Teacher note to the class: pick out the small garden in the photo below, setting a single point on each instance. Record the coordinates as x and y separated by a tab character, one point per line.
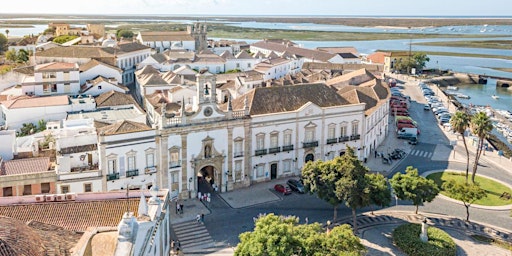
495	190
407	238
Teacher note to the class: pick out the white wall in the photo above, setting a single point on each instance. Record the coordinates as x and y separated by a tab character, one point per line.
100	70
8	144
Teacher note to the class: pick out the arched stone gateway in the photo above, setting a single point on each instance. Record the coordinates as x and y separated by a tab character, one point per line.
208	166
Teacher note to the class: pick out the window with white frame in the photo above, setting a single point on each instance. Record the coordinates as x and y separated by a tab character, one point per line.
47	75
355	127
331	131
150	157
130	160
274	139
310	134
343	129
287	138
112	164
260	170
260	141
174	157
239	147
175	177
287	165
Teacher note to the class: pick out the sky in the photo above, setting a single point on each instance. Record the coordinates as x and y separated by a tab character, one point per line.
264	7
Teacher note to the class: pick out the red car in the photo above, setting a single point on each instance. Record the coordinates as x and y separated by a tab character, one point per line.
285	190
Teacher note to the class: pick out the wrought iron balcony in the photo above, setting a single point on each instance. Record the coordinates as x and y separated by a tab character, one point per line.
344	138
332	141
238	154
310	144
355	137
274	150
151	169
112	176
288	148
132	173
174	164
260	152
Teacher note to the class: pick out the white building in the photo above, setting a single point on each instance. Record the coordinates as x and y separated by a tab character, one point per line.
274	68
128	155
52	78
76	146
26	109
193	39
95	68
125	56
101	85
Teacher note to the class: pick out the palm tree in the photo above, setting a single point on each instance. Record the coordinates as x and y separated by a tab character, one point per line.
480	125
460	123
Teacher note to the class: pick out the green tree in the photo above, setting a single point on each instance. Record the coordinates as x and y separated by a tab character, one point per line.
27	129
419	60
41	125
352	188
3	43
278	235
22	56
460	123
480	125
320	178
411	186
124	33
380	193
11	55
467	193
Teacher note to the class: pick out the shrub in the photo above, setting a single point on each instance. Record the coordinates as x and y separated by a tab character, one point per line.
407	238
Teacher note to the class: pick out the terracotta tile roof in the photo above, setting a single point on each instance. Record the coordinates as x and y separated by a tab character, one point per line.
28	70
269	100
99	79
73	215
243	55
93	63
364	74
25	166
337	50
57	240
114	98
160	57
56	66
378	57
16	238
226	55
33	102
157	98
148	69
123	127
91	52
298	51
373	93
166	36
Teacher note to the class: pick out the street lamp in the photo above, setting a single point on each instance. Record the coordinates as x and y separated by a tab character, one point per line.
189	185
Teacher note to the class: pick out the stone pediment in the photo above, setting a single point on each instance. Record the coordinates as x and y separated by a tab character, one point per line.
309	109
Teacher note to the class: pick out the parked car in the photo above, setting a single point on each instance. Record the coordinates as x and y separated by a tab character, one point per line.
285	190
426	107
296	185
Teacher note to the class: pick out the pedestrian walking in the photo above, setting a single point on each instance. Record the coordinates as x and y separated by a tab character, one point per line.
178	246
173	244
178	210
375	153
198	218
306	219
202	218
181	209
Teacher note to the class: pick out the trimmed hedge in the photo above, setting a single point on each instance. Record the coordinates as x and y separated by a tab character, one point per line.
407	238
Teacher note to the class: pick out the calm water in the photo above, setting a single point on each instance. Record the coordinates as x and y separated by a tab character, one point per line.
481	95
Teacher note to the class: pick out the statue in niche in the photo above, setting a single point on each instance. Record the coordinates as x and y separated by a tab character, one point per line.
207	151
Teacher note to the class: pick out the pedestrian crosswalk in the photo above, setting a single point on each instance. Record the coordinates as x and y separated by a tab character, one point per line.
192	235
421	153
